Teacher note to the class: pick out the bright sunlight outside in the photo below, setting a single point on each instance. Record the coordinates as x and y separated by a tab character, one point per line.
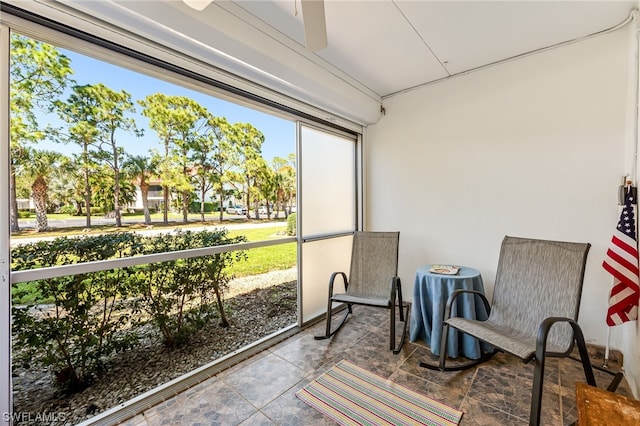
106	164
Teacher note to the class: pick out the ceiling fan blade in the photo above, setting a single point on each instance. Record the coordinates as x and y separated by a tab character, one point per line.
315	28
197	4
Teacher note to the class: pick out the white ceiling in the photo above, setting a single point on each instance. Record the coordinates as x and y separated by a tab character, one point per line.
375	47
392	45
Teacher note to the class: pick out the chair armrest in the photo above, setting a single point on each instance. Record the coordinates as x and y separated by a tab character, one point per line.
332	279
578	337
545	328
456	293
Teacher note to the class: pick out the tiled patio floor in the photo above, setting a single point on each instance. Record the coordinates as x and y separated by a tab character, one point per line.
260	390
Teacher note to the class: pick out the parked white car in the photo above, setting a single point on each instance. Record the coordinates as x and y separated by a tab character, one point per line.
236	210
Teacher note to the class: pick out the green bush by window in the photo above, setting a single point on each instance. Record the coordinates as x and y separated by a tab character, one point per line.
291	224
91	316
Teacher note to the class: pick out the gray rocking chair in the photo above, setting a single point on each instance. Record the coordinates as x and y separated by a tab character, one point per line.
373	281
534	312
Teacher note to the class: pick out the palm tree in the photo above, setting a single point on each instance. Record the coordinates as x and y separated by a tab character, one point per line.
141	168
103	188
286	182
38	169
66	187
39	73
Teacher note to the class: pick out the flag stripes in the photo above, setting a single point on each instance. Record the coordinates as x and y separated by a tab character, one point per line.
621	261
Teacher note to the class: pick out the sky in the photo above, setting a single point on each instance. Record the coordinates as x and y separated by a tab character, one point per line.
279	134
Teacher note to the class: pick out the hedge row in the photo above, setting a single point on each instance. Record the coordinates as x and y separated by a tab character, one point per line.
195	207
96	314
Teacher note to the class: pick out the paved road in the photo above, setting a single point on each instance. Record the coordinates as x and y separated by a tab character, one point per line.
98	221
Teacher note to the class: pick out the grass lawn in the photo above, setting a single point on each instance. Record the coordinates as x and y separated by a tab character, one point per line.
258	261
264	259
175	221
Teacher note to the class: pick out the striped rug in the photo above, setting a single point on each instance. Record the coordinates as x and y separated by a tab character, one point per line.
351	395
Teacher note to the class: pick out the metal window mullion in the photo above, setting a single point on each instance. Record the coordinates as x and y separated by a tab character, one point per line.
6	405
313	238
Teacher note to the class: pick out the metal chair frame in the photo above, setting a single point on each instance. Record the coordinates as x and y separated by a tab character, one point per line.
387	296
538	352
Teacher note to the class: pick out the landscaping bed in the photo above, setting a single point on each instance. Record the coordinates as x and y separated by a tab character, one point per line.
256	307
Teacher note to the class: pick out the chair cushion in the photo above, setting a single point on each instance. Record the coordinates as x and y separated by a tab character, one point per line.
522	345
371	301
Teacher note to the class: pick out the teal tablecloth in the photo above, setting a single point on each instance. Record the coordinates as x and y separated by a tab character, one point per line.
430	294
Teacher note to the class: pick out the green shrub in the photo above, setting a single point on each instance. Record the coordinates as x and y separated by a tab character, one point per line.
93	315
182	295
80	331
291	224
24	214
68	209
208	207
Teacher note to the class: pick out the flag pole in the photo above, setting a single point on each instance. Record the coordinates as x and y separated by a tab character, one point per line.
605	364
629	178
621	196
627	185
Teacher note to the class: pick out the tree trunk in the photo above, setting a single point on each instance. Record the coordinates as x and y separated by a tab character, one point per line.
220	202
144	189
116	201
185	206
165	208
13	202
87	199
185	194
165	189
248	203
87	186
116	204
39	193
224	322
116	190
202	194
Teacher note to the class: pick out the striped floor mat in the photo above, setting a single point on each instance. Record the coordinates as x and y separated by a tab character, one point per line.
351	395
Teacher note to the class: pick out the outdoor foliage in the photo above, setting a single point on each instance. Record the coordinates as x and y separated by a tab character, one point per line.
183	295
196	206
39	73
291	224
91	316
198	155
67	209
77	333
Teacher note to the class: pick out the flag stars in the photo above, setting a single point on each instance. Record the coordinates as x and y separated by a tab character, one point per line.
626	224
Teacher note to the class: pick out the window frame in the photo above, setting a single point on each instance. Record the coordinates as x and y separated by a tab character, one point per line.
191	74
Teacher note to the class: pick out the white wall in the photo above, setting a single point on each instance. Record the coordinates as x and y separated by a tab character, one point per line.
533	147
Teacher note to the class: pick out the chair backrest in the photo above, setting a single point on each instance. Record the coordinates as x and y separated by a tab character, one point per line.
374	261
537	279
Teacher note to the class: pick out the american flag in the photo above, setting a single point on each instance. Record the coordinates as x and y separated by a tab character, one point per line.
621	261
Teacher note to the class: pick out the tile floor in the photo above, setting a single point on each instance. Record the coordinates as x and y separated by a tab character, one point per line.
260	390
